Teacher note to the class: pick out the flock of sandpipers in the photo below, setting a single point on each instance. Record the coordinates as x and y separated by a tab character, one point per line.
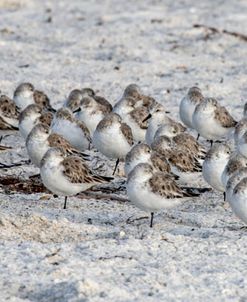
160	156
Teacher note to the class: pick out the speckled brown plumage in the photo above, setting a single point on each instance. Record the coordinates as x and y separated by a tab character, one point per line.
85	130
240	186
64	113
178	126
77	172
147	101
188	142
235	164
73	103
56	140
195	95
127	132
162	145
107	121
46	118
104	103
164	185
184	161
8	107
139	114
8	110
90	102
160	162
224	117
41	99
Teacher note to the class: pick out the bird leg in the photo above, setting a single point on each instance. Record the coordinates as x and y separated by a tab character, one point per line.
211	142
65	202
224	194
151	221
198	136
117	162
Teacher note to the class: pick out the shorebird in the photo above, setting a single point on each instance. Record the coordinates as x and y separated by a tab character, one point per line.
212	121
75	131
152	191
67	175
113	138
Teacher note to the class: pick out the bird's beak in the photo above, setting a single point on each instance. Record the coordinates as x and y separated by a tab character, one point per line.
147	117
167	112
51	109
77	110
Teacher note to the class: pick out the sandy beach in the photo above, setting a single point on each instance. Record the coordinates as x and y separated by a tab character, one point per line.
102	249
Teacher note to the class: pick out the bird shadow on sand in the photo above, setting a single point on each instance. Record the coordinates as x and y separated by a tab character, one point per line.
60	292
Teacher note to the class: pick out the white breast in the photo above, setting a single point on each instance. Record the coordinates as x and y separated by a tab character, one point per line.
54	180
137	131
238	203
22	101
26	126
91	121
186	110
152	128
144	199
111	142
36	149
72	132
212	172
208	127
129	166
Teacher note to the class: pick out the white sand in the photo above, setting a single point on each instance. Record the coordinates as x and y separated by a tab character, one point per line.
196	252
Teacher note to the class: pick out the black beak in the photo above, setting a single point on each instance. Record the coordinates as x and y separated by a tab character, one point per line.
168	112
51	109
77	110
147	117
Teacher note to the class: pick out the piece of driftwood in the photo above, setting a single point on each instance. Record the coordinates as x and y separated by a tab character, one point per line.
223	31
11	184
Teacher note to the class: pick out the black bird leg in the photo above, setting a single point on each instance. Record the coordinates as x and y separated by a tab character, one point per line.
151	221
65	202
117	162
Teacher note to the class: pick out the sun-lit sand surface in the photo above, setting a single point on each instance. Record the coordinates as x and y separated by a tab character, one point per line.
98	249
